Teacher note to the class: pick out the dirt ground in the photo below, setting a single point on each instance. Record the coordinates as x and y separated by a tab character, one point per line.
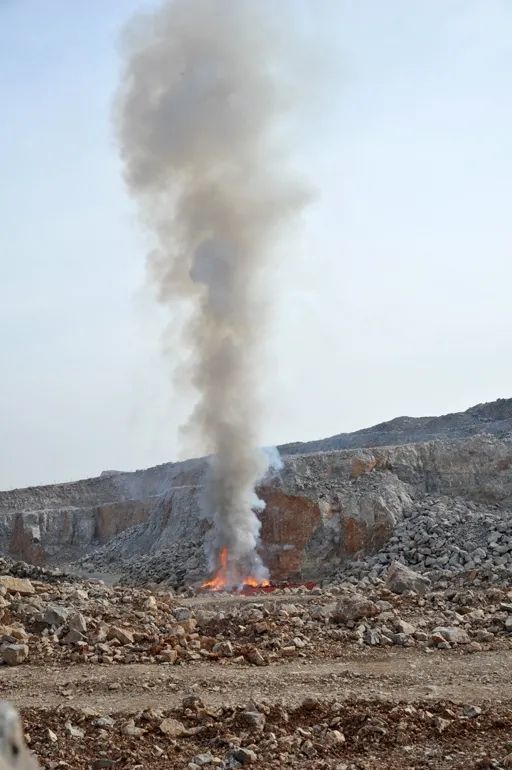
395	708
403	675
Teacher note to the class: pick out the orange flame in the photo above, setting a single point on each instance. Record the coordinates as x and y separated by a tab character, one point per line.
220	579
223	580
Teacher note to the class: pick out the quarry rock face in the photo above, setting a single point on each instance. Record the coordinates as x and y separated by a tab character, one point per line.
323	509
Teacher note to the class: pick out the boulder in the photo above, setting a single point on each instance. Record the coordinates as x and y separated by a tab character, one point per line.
123	635
253	719
55	615
452	634
78	623
401	579
14	654
353	607
15	585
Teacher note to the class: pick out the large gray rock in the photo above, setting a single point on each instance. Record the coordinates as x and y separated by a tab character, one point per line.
354	607
55	615
401	579
452	634
13	654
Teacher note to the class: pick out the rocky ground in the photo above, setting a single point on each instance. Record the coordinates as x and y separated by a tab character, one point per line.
396	656
390	671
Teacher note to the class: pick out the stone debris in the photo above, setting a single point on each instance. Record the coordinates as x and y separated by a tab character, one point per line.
354	607
442	506
441	538
89	622
172	727
318	734
410	548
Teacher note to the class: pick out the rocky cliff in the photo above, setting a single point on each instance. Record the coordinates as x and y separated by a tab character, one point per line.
322	509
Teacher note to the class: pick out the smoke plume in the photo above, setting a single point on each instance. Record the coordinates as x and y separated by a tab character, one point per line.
201	110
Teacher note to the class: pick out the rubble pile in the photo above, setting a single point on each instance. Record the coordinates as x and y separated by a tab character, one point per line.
445	538
317	735
44	620
53	622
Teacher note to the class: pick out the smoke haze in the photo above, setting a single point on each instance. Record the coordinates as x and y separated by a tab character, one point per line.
200	111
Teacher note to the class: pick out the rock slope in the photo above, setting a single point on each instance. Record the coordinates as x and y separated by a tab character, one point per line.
323	509
494	418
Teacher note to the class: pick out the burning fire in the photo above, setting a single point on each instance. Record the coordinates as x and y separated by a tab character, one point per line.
226	577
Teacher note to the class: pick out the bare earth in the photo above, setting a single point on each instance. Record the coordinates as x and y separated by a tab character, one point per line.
333	704
403	675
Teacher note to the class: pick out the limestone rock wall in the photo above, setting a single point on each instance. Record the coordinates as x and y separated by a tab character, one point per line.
321	508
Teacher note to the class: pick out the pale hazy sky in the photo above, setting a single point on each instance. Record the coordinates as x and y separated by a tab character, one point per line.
392	298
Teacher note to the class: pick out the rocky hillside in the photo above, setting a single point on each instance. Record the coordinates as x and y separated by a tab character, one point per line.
323	509
494	418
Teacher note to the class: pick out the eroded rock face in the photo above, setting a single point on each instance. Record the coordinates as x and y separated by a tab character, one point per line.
304	534
61	522
319	513
321	509
51	536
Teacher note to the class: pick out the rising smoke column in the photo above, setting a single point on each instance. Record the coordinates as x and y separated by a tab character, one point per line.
200	109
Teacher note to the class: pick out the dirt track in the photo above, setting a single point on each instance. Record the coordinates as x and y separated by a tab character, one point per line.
404	675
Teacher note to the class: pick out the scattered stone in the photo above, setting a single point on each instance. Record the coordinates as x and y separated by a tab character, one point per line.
472	711
403	627
172	728
201	760
132	730
224	649
452	634
55	615
253	719
255	657
244	756
72	637
105	722
74	731
77	623
123	635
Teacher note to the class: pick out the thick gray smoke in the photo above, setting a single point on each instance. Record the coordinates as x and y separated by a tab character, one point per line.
200	113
